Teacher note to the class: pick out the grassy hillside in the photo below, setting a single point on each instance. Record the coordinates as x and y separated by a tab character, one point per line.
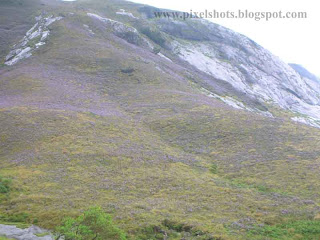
146	145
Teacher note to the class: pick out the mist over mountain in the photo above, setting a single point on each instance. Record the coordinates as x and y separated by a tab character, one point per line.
179	129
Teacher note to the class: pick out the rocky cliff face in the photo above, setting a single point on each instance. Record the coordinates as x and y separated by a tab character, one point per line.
248	67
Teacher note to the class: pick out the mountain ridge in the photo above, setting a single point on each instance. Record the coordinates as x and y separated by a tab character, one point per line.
303	71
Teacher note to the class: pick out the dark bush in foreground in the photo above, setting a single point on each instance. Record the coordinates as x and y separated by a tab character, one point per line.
4	185
93	224
154	36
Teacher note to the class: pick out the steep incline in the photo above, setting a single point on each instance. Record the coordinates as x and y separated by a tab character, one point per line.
98	116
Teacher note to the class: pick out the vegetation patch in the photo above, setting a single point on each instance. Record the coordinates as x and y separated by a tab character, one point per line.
127	70
42	234
4	185
304	229
19	219
172	230
214	168
93	224
154	35
5	238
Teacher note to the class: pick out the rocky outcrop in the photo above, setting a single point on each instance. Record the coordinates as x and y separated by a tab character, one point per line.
128	33
307	120
248	67
30	233
33	39
123	12
235	103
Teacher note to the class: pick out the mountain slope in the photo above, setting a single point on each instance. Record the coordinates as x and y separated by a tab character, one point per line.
96	116
304	72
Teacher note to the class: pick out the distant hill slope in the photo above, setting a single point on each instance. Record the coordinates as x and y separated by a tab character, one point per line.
304	72
195	141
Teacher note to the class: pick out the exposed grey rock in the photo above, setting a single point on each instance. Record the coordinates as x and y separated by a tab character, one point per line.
235	103
10	231
123	12
33	28
51	19
39	30
88	28
35	34
25	53
248	67
40	44
45	34
13	53
307	120
163	56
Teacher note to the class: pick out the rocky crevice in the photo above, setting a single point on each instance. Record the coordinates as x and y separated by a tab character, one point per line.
34	38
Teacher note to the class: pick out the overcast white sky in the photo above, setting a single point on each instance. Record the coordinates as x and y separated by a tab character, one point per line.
293	40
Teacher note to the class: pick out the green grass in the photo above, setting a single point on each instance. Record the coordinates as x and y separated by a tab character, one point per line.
214	168
5	238
17	224
4	185
42	234
20	220
308	230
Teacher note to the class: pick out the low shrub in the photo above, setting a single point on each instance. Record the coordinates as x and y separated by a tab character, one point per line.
214	168
127	70
156	50
4	185
15	218
154	35
93	224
